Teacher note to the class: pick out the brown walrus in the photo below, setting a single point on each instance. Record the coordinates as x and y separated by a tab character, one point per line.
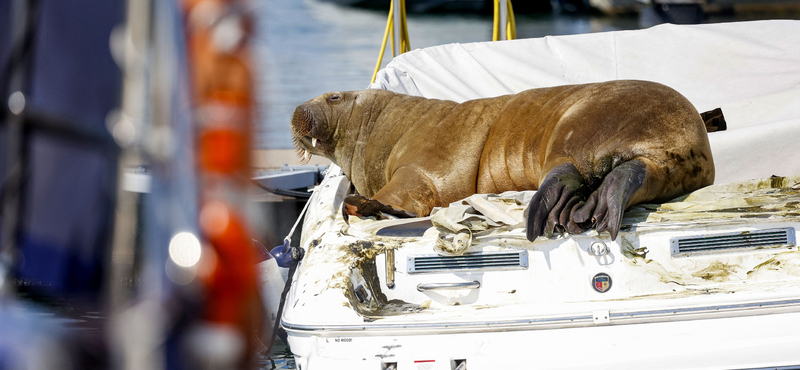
591	150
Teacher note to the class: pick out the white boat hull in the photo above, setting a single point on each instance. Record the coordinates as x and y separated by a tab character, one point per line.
734	309
711	281
750	342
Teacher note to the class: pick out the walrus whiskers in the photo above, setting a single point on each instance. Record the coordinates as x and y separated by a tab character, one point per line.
303	128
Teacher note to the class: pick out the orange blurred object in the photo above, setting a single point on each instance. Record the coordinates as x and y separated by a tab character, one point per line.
232	282
220	150
218	32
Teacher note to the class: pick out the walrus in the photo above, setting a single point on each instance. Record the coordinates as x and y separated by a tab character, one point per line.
591	151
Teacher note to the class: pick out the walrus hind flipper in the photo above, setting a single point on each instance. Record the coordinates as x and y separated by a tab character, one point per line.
559	201
606	205
561	193
359	205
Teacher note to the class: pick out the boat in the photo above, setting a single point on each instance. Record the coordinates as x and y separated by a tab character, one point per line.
447	6
709	280
421	6
688	11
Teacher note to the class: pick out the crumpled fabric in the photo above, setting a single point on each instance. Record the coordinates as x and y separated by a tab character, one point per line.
458	222
768	197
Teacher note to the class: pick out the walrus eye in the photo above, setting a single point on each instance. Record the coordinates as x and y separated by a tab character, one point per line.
334	97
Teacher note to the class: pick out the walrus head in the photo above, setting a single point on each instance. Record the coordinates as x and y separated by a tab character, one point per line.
315	123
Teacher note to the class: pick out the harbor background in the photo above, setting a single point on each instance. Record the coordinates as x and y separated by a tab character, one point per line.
304	48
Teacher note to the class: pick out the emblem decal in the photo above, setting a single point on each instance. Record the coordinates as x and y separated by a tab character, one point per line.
601	282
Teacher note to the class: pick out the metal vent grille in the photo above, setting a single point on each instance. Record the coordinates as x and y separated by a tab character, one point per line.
469	262
734	241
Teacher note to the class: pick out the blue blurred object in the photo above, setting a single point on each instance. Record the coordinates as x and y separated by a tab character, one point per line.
284	254
67	158
27	334
58	171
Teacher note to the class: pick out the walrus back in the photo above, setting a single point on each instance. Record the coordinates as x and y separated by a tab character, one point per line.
597	127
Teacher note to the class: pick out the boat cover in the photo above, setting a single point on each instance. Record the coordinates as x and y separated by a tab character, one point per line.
749	69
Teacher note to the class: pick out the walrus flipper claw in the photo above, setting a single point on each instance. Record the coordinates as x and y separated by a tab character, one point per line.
613	196
552	205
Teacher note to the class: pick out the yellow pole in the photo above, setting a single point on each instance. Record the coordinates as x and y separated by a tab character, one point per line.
512	24
403	41
504	25
496	21
383	45
404	33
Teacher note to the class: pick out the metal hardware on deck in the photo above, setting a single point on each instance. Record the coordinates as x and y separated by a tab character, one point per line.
601	317
733	241
506	260
361	294
390	268
599	249
449	286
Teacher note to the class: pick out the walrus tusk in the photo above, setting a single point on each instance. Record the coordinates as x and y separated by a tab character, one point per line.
314	142
306	155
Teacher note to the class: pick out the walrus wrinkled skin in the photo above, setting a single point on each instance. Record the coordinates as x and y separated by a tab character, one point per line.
591	150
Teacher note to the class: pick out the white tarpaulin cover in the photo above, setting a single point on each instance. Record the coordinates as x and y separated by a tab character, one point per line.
749	69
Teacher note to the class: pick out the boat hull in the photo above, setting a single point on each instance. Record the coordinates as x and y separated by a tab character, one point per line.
668	307
729	343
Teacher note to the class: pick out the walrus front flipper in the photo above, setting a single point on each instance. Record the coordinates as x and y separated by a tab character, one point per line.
359	205
561	192
606	205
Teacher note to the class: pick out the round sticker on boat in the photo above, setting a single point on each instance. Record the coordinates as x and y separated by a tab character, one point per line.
601	282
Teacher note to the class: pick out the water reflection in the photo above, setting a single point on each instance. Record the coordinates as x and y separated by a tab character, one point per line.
279	359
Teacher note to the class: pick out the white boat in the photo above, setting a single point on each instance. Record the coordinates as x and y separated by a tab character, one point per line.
708	281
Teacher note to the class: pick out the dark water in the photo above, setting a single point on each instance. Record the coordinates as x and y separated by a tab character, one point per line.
280	358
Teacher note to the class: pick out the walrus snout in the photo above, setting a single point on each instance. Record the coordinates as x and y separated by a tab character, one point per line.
302	127
302	121
310	130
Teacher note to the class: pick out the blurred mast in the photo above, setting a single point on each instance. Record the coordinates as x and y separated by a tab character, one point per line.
218	34
132	41
188	109
23	19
